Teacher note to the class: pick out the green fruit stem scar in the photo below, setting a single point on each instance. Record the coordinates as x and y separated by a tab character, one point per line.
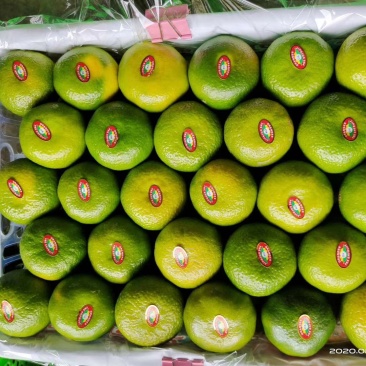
41	130
305	326
82	72
209	193
298	57
180	256
266	131
85	316
189	140
50	245
20	71
152	316
224	67
118	254
343	254
111	136
15	188
349	129
155	195
221	326
264	254
296	207
147	66
8	311
84	190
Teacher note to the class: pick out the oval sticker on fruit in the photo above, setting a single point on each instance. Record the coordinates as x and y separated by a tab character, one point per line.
305	326
343	254
221	326
84	190
155	195
85	316
50	245
15	188
224	67
209	193
266	131
20	71
118	254
82	72
264	254
298	57
296	207
41	130
189	140
8	311
111	136
180	256
349	129
147	66
152	316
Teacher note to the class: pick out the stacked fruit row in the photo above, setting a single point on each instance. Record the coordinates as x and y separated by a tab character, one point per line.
97	189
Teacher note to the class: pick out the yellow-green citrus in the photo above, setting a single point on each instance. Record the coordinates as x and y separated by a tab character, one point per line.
259	259
296	196
298	320
296	67
188	252
24	303
153	194
258	132
219	318
27	191
86	77
149	311
119	136
88	192
118	249
152	75
187	135
337	143
52	246
223	71
81	307
223	192
332	258
52	135
26	80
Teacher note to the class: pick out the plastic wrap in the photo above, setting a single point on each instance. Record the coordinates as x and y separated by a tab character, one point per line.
123	24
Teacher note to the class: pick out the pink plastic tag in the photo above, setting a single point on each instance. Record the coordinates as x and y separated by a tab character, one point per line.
168	23
168	361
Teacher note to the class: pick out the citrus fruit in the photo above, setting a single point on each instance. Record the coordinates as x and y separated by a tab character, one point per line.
119	136
223	71
219	318
52	135
352	200
296	67
149	311
52	246
24	303
88	192
86	77
187	135
259	259
153	195
188	252
338	142
27	191
223	192
118	249
349	68
352	316
295	195
26	80
332	258
152	75
258	132
81	307
298	321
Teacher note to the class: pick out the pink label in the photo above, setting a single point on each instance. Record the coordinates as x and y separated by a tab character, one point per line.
221	326
20	71
15	188
180	256
305	326
8	311
152	316
224	67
